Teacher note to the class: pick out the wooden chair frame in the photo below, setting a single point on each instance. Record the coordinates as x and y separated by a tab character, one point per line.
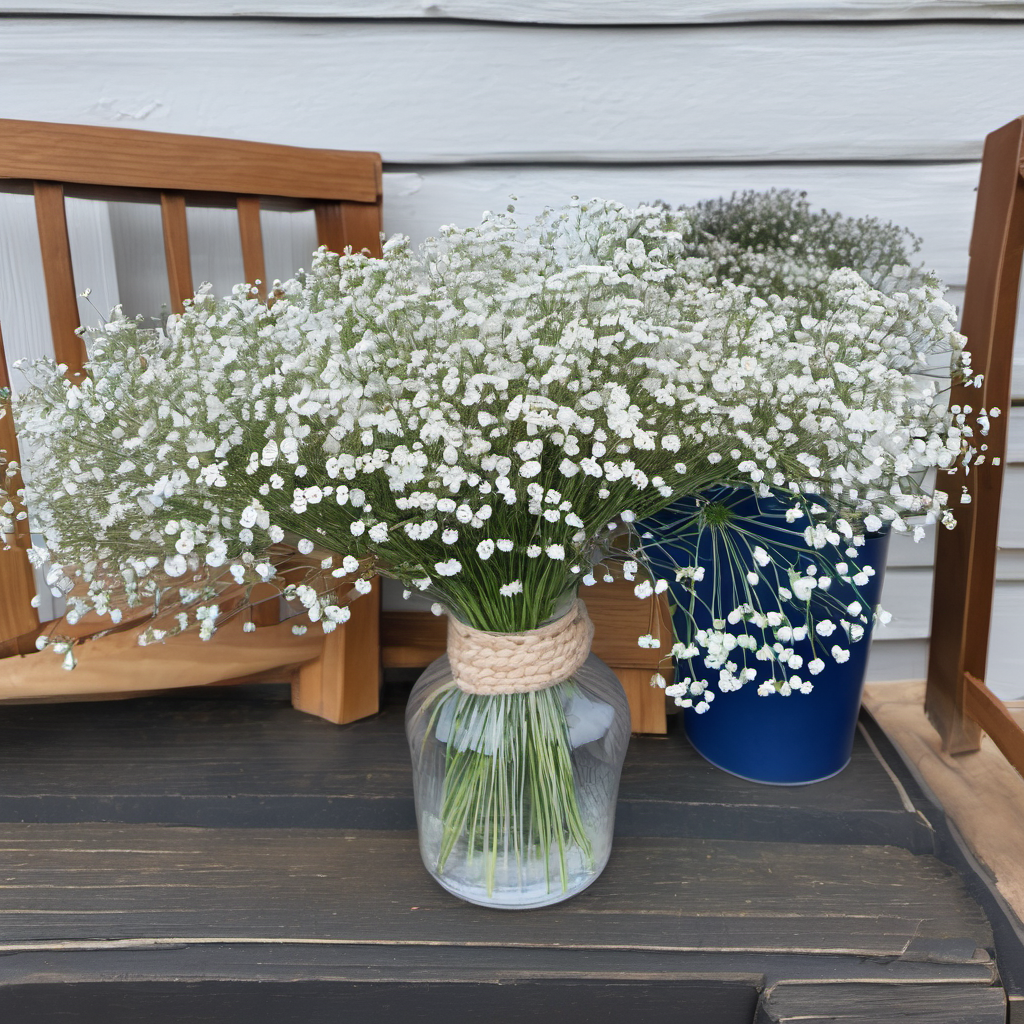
336	676
957	700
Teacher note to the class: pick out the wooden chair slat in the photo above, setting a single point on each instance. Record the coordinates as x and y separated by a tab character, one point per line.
358	225
17	581
330	228
61	295
344	683
362	227
129	158
179	266
251	232
985	708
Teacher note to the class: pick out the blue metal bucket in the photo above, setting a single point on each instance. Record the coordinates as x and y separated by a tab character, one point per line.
791	740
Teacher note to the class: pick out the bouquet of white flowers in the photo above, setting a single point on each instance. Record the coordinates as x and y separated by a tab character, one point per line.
480	420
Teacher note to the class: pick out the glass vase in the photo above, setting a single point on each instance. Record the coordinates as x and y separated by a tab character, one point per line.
515	792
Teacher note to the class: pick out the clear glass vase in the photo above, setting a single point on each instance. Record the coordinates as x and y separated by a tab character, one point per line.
515	793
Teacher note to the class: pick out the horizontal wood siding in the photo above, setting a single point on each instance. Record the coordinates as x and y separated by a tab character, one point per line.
549	12
455	92
471	102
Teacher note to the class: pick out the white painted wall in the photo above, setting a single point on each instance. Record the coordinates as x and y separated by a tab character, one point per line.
872	107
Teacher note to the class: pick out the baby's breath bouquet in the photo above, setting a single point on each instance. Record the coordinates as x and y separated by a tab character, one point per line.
482	420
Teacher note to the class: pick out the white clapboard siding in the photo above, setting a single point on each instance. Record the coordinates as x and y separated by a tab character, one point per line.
908	594
23	312
897	659
288	240
935	201
550	12
437	92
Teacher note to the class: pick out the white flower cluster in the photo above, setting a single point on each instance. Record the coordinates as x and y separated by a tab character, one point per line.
477	419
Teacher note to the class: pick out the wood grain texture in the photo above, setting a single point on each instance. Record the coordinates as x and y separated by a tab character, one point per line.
61	299
125	157
981	705
501	93
251	233
138	881
824	1003
975	789
23	307
176	250
343	684
223	984
363	226
646	702
561	12
290	923
116	663
231	757
17	581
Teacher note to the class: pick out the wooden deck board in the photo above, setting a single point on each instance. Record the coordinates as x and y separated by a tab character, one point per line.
212	758
215	855
149	881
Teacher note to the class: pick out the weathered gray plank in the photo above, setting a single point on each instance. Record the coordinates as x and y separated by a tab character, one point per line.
234	762
106	881
824	1003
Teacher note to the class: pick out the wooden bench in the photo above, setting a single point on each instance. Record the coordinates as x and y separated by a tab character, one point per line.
338	676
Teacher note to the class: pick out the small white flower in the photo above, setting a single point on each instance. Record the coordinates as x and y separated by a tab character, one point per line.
840	654
175	565
448	568
485	549
511	589
555	551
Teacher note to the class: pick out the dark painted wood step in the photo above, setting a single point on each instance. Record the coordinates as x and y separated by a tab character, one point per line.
244	758
620	949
